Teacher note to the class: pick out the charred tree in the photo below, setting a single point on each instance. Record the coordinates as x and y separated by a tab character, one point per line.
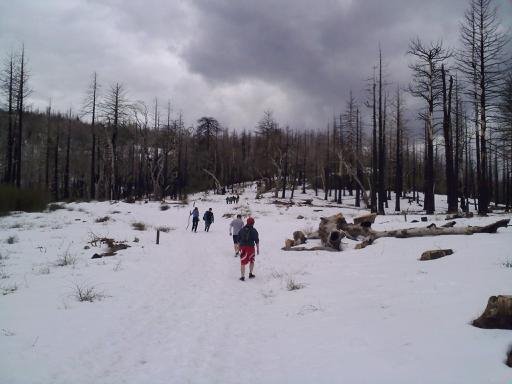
425	85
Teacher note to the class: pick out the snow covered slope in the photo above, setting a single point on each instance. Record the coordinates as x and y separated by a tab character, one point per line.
177	313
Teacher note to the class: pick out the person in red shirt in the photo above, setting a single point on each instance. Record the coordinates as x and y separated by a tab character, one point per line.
248	238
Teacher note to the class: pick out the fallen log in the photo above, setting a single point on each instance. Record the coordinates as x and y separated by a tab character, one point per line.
497	314
299	238
435	254
317	248
288	243
330	231
435	231
334	228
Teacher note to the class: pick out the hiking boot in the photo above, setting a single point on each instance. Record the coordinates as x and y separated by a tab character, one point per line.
251	276
242	278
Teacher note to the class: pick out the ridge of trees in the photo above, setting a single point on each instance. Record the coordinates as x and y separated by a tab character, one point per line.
114	148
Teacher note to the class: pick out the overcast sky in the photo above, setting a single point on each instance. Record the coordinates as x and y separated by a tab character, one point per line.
228	59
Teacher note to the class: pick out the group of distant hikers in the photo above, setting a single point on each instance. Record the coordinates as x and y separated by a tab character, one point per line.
246	240
232	199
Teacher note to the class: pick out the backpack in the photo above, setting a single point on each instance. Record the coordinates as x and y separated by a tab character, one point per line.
245	235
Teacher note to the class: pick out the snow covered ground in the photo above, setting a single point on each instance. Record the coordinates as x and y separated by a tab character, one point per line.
177	313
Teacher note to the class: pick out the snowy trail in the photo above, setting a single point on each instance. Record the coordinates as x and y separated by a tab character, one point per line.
177	313
192	310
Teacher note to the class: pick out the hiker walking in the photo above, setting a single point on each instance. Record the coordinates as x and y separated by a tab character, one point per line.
195	219
208	219
234	228
248	237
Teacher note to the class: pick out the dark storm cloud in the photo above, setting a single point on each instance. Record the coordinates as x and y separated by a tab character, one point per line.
229	59
323	49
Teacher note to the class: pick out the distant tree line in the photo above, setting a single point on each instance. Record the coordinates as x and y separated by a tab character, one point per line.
114	148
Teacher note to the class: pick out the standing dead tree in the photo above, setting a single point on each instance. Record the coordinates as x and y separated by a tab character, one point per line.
482	61
89	108
426	76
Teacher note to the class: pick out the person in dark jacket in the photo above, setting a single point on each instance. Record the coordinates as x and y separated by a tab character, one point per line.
195	219
248	238
208	219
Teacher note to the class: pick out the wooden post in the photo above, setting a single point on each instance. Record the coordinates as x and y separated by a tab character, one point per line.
158	236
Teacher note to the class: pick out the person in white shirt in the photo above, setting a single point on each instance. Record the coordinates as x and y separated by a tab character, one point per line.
235	227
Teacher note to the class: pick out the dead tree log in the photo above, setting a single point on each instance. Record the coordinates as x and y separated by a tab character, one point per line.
435	231
367	219
330	231
435	254
497	314
299	238
334	228
317	248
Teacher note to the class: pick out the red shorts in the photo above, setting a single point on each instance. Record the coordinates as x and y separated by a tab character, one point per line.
246	254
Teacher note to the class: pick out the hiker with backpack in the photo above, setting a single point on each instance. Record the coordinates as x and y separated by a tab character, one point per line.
248	237
195	219
234	228
208	219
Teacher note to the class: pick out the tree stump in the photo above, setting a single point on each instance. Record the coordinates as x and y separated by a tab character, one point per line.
509	357
435	254
497	314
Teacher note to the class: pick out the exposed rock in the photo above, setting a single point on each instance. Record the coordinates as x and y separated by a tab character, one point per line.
435	254
424	218
497	314
449	224
300	217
